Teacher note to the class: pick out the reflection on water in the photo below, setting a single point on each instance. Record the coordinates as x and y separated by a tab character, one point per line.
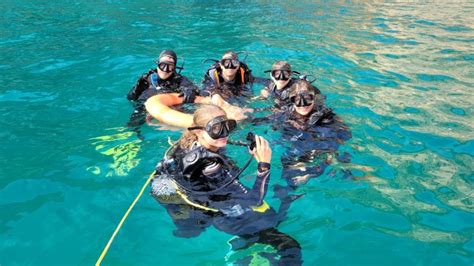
123	153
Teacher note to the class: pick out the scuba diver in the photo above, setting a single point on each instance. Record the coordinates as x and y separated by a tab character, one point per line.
311	134
199	186
281	79
162	88
228	77
314	133
162	79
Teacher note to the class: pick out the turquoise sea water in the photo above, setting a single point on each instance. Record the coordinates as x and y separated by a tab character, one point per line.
400	75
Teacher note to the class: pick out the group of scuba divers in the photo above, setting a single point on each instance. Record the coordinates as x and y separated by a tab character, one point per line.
198	184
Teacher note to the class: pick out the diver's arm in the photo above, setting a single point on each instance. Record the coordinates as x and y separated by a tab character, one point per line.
159	107
264	93
140	86
260	187
233	112
189	90
263	155
273	118
277	117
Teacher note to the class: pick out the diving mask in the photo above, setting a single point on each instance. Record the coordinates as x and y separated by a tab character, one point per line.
166	67
230	63
281	74
218	127
303	99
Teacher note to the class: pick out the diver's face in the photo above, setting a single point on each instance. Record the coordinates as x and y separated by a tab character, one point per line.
229	67
304	110
166	67
280	77
212	144
214	134
280	84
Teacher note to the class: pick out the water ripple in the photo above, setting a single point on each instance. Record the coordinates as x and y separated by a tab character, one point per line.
399	74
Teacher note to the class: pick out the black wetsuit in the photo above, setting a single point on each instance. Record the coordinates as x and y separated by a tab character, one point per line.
214	83
234	204
308	141
310	138
150	84
280	97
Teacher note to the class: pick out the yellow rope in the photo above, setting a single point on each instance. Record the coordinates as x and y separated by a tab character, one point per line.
185	198
123	220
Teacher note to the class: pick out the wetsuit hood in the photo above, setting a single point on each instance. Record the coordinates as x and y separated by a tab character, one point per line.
169	53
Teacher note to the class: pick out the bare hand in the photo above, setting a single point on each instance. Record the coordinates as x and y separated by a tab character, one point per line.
262	151
300	180
237	113
233	112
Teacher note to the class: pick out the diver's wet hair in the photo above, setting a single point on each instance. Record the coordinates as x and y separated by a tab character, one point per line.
301	86
168	53
281	65
201	117
230	55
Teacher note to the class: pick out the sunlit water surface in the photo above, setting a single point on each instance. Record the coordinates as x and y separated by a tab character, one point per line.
400	75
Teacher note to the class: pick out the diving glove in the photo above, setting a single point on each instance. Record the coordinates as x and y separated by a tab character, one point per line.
189	95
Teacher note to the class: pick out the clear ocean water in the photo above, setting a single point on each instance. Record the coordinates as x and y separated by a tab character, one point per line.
401	76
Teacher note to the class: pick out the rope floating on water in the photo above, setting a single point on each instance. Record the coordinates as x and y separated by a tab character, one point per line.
117	229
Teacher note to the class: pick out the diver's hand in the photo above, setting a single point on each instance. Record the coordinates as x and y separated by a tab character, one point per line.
300	180
232	111
188	94
262	150
237	113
